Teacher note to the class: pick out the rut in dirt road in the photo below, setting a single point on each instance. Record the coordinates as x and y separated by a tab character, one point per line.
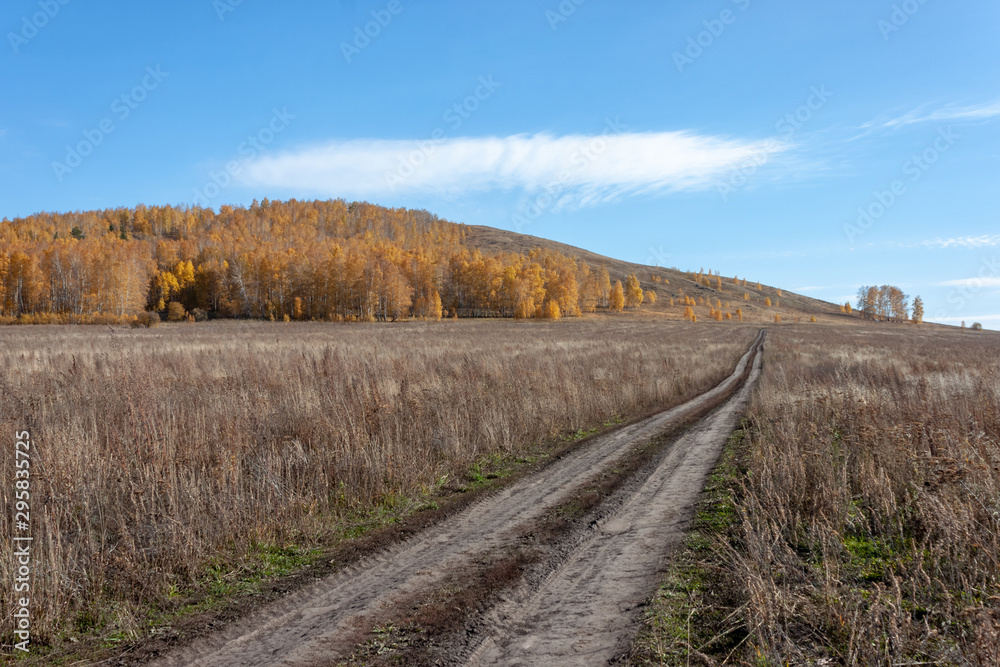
315	624
587	611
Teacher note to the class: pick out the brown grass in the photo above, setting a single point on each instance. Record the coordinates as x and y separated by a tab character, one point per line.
165	455
859	523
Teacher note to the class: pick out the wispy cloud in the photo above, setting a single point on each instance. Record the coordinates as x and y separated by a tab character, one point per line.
988	281
587	168
983	241
947	113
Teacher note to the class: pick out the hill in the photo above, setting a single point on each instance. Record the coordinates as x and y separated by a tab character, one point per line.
675	283
338	260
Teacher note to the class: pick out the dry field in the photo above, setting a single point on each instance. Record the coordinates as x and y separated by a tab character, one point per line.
857	520
164	456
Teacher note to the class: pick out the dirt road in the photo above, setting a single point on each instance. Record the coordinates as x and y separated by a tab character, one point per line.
586	612
610	572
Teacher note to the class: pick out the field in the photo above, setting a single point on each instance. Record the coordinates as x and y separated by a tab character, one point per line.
189	458
856	517
533	474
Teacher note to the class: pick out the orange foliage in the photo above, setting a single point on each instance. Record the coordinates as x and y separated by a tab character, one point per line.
319	260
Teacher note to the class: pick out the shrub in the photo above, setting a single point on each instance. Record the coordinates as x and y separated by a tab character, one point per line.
199	315
148	319
175	312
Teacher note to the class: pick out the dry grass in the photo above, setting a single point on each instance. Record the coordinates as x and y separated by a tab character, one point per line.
859	523
162	456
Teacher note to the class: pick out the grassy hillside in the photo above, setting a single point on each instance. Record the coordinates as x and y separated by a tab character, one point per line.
677	283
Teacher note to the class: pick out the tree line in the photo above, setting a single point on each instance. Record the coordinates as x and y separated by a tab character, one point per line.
323	260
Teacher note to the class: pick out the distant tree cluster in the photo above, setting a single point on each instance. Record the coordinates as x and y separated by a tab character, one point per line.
322	260
887	303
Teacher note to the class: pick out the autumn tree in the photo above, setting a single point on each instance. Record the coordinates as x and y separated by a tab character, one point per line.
603	288
633	291
918	310
297	259
617	297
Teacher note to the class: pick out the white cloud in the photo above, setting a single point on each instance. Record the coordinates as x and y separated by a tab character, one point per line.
951	112
584	168
988	281
985	240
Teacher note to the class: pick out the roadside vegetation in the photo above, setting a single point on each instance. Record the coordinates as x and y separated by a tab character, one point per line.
178	466
855	519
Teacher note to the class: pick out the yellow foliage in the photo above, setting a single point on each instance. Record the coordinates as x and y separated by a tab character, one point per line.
767	301
651	297
552	311
185	273
175	312
435	305
633	292
777	318
617	297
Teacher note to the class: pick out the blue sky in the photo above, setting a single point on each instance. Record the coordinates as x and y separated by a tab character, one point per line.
813	146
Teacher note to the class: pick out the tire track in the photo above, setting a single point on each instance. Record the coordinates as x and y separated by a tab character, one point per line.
587	611
308	626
